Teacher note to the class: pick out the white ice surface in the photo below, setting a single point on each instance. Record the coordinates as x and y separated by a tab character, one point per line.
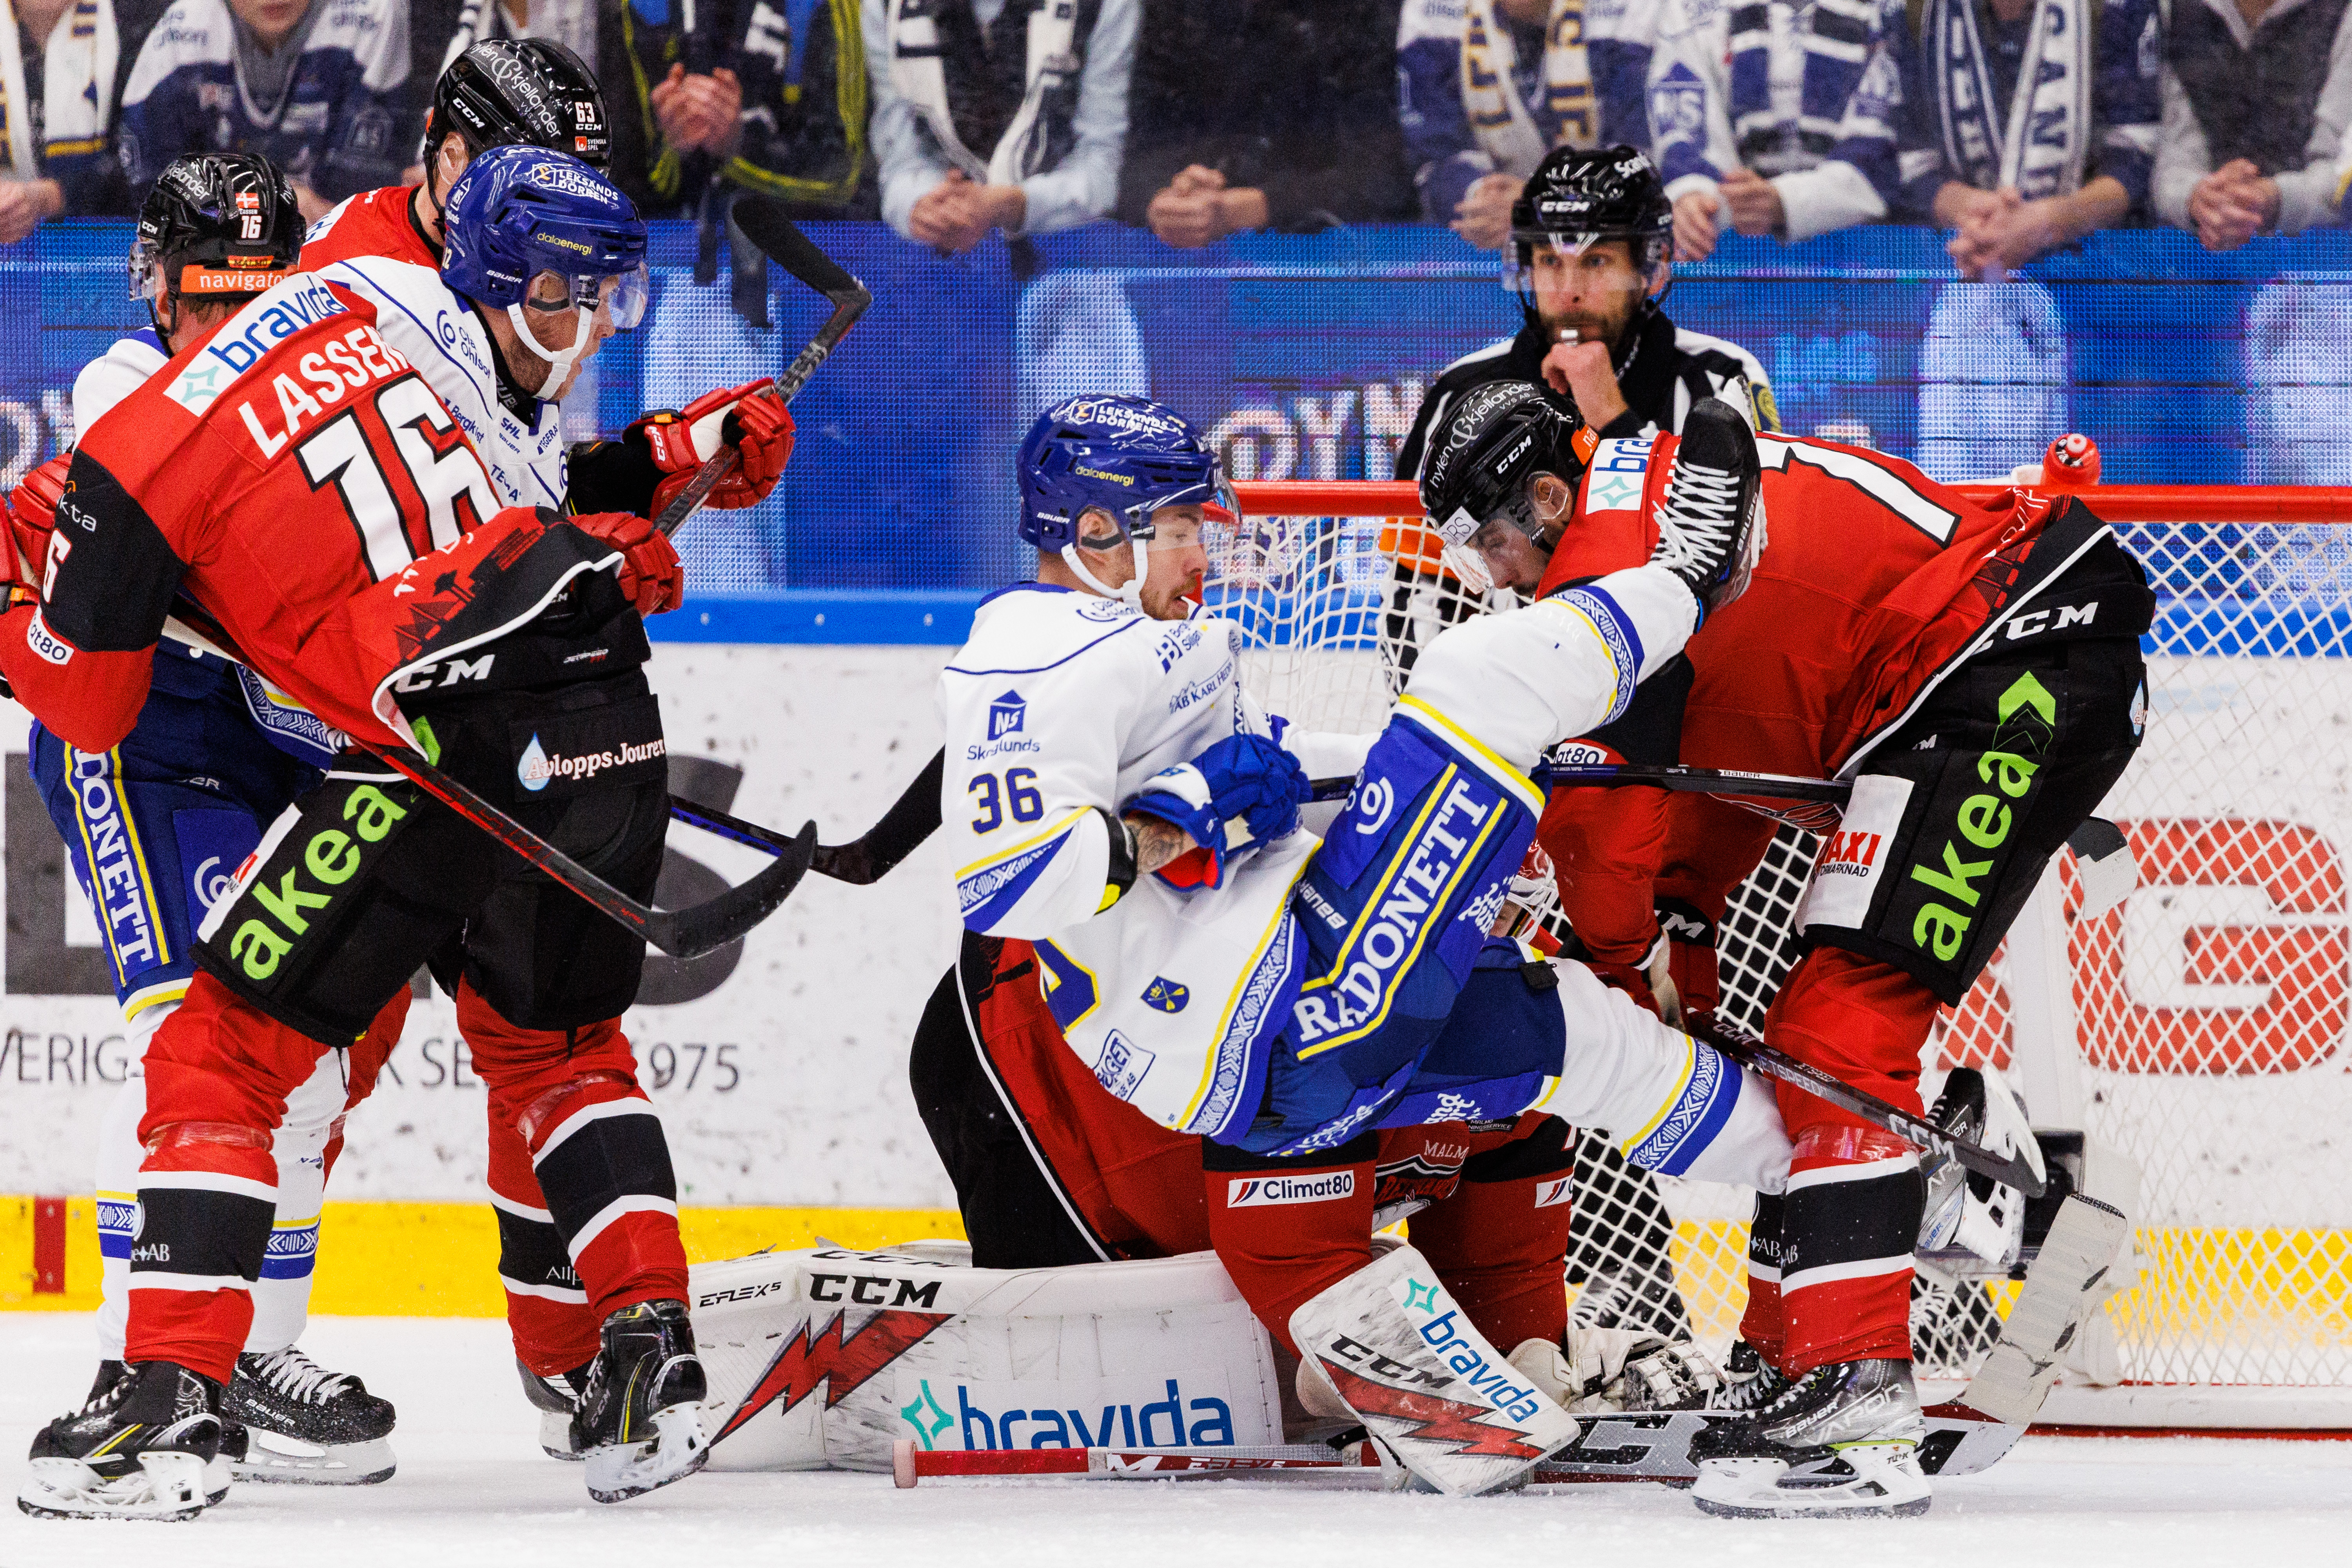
474	1489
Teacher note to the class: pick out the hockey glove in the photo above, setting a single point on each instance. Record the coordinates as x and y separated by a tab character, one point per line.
751	417
32	520
651	576
1242	776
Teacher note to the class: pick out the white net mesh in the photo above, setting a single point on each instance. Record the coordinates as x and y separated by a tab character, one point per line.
2206	1017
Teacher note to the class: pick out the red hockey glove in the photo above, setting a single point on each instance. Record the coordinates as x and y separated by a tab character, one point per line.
650	572
32	519
751	417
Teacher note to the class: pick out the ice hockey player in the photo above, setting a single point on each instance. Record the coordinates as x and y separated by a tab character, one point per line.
155	829
534	92
398	598
1121	803
1975	670
500	92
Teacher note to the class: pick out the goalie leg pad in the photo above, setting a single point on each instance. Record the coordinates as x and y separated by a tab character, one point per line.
1403	1356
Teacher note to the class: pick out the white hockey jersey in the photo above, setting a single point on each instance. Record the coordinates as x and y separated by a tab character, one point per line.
442	336
1063	704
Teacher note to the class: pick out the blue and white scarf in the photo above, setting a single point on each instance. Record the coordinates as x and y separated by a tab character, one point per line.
1837	38
2041	145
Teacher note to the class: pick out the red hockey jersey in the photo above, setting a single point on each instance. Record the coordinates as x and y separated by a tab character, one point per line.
292	481
1874	578
374	223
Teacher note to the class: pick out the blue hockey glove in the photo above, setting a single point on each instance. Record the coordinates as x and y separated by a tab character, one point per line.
1244	776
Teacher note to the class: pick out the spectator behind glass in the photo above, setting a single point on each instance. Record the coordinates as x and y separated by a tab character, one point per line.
59	66
1774	119
2082	75
998	114
1255	113
441	30
1487	88
311	85
2256	95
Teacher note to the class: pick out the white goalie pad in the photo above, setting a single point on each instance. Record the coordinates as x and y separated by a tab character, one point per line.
821	1358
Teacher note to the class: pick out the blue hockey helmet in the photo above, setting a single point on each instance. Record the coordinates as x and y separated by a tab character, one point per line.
1126	457
519	213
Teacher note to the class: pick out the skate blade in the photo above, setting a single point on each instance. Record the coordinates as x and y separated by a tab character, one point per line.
336	1465
678	1448
555	1437
1884	1483
167	1487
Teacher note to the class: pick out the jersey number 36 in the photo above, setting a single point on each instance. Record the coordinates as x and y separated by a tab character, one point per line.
1019	790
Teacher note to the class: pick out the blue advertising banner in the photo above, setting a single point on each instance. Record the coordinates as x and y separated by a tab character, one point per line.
1305	358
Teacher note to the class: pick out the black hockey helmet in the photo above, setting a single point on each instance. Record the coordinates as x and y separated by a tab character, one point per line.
1494	439
1576	199
534	91
217	226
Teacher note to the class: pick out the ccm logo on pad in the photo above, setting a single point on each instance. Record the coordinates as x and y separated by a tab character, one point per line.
1260	1192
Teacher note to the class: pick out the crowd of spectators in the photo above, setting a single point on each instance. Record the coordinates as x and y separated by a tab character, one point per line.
2018	125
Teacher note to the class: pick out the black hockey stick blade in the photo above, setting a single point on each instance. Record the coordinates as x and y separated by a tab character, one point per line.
763	223
682	934
1749	1051
912	818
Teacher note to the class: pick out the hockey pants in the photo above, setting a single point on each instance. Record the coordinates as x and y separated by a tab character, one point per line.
346	902
1051	1169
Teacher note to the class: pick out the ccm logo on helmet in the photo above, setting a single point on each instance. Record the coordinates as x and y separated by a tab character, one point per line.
1263	1191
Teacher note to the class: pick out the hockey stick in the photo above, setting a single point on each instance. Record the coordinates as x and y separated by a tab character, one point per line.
1749	1051
689	932
763	223
915	815
1628	1445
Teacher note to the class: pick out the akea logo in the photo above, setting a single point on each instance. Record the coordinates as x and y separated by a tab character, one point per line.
1038	1412
2028	723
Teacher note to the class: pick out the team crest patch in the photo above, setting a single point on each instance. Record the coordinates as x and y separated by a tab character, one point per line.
1167	995
1006	715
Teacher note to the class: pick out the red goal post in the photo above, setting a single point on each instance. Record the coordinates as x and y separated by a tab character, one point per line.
2202	1031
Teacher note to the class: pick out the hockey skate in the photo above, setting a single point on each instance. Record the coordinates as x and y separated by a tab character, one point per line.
1841	1441
306	1425
1750	1381
639	1424
556	1399
1711	521
140	1448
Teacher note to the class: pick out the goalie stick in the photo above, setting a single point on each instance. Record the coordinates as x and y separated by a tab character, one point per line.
1749	1051
1627	1446
2062	1286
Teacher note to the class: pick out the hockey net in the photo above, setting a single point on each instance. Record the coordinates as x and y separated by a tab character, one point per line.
2198	1030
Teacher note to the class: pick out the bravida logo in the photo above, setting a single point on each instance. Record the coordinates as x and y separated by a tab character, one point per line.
1078	1413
